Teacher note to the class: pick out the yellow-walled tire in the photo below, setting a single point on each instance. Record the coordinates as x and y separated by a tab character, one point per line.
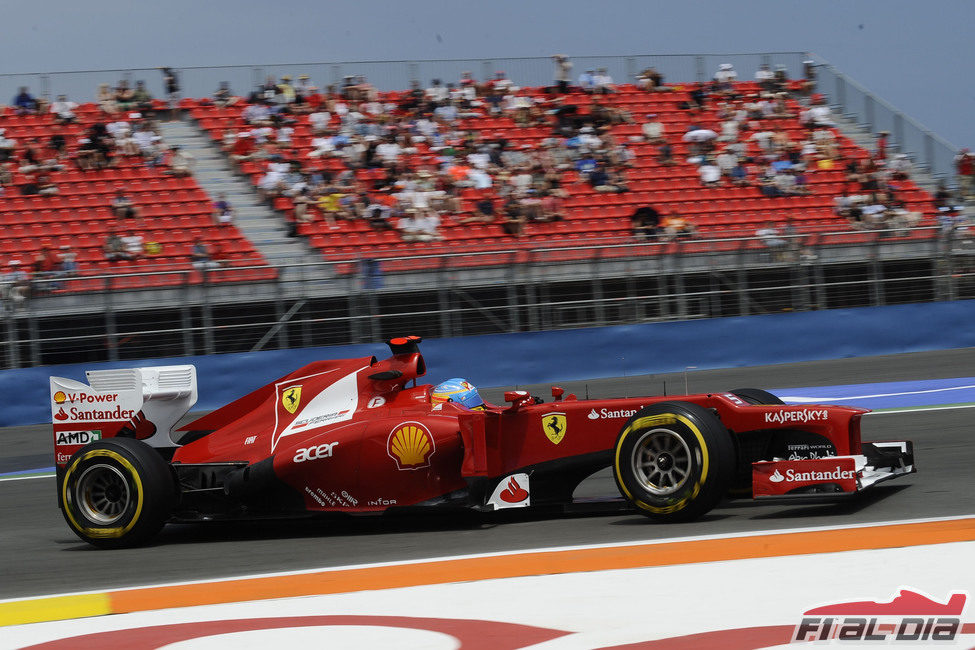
674	461
117	493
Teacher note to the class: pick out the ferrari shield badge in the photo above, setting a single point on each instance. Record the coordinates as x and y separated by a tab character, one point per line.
291	398
553	424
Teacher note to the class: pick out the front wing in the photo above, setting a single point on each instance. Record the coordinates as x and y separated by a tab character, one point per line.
833	476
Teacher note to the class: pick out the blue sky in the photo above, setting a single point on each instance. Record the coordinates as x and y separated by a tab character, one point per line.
914	54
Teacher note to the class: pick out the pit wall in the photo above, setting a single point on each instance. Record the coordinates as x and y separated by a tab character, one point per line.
542	357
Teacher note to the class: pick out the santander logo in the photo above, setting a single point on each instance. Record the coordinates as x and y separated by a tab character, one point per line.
776	477
593	415
61	415
514	492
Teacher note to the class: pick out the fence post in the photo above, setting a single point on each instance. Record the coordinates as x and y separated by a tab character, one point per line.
597	289
13	345
929	153
514	314
699	69
35	340
868	110
840	91
899	132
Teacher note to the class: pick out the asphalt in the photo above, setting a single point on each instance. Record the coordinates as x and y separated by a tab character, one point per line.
39	555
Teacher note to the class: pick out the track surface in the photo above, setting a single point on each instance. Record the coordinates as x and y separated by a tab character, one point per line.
39	555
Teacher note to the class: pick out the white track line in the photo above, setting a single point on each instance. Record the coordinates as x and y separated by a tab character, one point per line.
582	547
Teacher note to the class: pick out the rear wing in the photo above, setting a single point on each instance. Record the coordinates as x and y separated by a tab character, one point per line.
143	403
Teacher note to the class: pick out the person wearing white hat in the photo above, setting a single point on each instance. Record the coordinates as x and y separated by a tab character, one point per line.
563	71
15	284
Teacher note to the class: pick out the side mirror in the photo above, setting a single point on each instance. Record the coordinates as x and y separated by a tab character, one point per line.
516	397
557	393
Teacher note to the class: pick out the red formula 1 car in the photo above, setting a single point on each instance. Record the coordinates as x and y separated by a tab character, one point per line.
360	436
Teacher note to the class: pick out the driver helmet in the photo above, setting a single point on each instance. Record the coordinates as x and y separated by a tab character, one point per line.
457	390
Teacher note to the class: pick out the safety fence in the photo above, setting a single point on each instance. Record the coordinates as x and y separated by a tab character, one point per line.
337	302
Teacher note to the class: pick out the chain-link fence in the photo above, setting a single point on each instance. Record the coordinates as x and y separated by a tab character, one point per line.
354	301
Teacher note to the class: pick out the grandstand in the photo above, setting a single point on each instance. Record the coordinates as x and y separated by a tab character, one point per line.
361	268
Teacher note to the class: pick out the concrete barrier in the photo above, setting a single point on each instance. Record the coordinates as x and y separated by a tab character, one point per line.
539	357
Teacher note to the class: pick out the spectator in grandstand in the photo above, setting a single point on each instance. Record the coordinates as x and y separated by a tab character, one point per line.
26	104
817	116
123	207
7	146
665	154
653	129
677	227
67	261
124	96
587	81
899	167
483	212
765	77
200	255
45	265
114	248
58	143
965	173
710	173
725	78
415	225
563	72
15	285
698	97
773	239
142	98
645	222
180	162
880	153
603	83
301	201
952	221
106	99
943	198
512	219
171	88
63	110
133	245
551	204
650	80
243	149
223	212
6	176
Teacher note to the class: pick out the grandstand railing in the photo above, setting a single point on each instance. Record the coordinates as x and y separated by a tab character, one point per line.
201	81
927	149
335	302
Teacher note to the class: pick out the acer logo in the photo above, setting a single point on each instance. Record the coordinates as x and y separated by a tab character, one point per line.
314	453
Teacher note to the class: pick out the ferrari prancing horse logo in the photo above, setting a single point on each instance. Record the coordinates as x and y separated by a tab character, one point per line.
553	424
291	397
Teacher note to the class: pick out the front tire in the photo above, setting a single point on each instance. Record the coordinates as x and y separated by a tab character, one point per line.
117	493
756	396
674	461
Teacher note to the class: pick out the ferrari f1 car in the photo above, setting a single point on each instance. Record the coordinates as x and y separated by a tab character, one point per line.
361	436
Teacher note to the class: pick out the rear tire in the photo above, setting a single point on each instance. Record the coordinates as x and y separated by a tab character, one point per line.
674	461
117	493
756	396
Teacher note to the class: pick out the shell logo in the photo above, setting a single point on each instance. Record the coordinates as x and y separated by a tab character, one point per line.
411	445
59	397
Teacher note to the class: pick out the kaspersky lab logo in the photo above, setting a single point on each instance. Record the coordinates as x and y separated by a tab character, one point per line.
909	617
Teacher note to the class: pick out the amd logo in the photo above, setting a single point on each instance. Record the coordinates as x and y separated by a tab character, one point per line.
314	453
77	437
